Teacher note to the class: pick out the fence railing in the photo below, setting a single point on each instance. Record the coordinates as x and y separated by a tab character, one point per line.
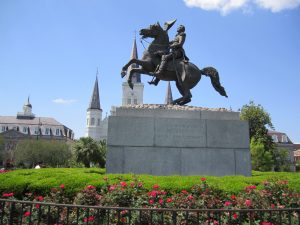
28	212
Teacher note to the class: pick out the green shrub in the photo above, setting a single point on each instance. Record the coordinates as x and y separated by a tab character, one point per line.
40	181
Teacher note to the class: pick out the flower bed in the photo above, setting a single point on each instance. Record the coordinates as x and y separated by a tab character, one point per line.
273	195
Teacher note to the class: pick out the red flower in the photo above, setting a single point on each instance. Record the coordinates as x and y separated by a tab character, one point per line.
233	197
235	216
155	186
161	201
11	194
169	200
123	184
140	184
151	201
250	188
248	202
227	203
152	194
132	184
123	220
91	187
203	179
40	198
62	186
272	206
37	206
267	223
26	214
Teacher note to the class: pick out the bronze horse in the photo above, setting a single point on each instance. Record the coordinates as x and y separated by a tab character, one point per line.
185	74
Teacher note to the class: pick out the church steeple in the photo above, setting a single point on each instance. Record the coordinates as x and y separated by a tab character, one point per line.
94	114
169	98
95	99
136	78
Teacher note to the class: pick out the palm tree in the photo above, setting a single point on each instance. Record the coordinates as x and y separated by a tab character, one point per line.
88	151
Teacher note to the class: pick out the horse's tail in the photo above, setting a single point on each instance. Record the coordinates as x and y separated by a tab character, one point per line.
215	80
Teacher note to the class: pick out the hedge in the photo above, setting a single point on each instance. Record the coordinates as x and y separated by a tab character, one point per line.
40	181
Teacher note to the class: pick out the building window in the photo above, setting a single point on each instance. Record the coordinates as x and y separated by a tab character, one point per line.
135	101
87	122
25	130
36	130
3	128
47	131
128	101
93	121
275	139
98	123
284	139
57	132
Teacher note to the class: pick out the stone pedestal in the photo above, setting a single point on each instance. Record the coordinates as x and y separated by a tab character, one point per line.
177	140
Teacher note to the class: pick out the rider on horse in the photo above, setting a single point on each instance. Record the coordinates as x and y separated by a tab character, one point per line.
177	52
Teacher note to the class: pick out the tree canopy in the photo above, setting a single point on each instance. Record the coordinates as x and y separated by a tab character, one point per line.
49	152
88	151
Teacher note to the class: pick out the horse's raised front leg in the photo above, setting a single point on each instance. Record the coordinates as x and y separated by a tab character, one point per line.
131	61
135	70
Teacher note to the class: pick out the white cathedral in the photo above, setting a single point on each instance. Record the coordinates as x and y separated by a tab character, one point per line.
96	128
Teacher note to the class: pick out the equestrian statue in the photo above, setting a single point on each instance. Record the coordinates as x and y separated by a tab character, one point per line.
166	60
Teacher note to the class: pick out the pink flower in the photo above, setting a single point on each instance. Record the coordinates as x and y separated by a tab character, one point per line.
169	200
123	184
155	186
248	202
62	186
250	188
272	206
37	206
26	214
151	201
112	187
140	184
161	201
91	187
233	197
184	192
190	197
132	184
227	203
203	179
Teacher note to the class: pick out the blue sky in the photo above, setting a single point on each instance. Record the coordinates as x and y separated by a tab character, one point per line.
50	50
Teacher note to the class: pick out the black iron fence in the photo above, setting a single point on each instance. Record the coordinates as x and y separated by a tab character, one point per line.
28	212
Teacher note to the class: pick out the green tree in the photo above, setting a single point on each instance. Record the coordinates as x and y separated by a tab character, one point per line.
265	155
49	152
259	119
1	149
88	151
261	158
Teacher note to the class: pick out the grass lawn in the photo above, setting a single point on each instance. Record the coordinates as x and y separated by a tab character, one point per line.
75	179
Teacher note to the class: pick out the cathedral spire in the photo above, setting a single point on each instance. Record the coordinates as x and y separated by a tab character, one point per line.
169	98
136	78
95	99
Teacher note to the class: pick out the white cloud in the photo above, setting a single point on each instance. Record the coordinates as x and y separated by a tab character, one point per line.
63	101
226	6
277	5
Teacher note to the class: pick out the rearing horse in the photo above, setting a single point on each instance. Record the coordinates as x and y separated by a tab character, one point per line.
189	73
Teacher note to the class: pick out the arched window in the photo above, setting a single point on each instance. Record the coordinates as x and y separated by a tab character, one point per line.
98	123
93	121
